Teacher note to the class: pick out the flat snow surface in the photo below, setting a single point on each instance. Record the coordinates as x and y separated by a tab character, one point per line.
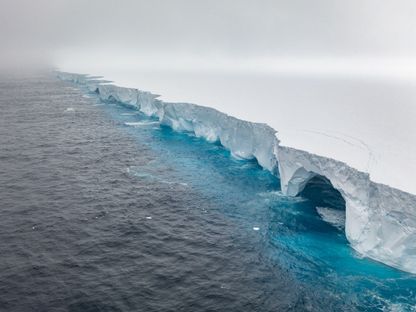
370	124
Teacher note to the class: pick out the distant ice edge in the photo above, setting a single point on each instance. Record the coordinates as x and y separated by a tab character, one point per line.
380	220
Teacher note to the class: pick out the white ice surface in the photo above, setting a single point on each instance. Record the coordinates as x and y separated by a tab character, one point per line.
368	124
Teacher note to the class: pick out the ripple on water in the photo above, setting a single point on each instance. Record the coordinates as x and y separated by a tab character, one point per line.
97	216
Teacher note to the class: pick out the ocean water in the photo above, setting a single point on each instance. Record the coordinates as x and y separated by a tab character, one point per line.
102	209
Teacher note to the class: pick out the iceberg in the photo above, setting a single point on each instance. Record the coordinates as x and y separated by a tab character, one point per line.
380	221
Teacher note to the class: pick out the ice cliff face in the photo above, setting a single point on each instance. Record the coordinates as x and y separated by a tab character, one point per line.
380	220
244	139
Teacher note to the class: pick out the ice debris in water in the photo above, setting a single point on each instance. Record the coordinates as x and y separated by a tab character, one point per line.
335	217
141	123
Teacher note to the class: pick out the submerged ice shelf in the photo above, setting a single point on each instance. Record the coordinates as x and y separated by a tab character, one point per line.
380	220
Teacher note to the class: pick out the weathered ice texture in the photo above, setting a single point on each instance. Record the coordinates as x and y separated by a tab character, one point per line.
380	220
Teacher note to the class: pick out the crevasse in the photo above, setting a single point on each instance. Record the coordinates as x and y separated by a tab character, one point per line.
380	220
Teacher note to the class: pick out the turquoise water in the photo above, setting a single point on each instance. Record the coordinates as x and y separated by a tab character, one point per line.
292	233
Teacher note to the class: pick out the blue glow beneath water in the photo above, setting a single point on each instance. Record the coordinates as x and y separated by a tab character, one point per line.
293	235
100	216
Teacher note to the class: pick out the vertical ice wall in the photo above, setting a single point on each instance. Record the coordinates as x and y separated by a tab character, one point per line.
380	220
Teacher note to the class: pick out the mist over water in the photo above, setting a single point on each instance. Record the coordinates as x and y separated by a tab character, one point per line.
337	37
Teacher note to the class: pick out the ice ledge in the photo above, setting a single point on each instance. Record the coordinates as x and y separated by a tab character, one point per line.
380	220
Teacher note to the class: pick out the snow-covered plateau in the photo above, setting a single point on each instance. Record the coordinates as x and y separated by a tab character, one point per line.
380	220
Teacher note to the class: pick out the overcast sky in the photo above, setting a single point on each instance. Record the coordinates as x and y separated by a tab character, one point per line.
158	31
231	54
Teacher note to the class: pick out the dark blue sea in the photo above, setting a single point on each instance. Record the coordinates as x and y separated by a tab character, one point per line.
102	209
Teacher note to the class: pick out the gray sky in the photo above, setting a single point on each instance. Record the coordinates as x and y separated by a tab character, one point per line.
229	54
227	29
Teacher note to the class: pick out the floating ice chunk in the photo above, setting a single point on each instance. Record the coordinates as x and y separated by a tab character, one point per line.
334	217
128	114
141	123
